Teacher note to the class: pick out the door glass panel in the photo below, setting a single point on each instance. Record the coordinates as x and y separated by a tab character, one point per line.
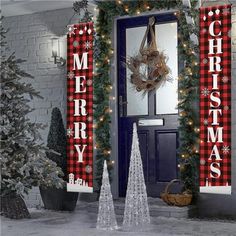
167	95
137	102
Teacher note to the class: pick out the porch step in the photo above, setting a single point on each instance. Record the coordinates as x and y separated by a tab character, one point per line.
156	206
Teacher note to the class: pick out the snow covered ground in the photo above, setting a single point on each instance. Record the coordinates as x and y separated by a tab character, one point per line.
81	223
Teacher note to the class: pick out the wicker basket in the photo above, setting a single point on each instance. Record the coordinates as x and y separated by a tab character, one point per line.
182	199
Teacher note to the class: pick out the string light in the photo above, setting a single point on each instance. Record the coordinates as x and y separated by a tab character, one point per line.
138	12
112	98
101	119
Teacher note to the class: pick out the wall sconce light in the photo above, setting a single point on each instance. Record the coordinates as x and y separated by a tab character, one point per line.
56	53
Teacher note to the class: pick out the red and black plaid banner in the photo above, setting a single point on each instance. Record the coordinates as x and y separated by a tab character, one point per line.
215	99
80	107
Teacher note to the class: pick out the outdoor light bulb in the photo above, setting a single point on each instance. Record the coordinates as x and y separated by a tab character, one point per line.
101	119
55	47
138	12
108	152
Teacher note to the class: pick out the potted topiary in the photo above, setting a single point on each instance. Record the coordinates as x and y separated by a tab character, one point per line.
58	199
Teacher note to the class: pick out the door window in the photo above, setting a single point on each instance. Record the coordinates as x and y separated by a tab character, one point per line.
167	95
137	102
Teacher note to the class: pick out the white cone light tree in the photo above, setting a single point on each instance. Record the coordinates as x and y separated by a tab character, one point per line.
106	215
136	204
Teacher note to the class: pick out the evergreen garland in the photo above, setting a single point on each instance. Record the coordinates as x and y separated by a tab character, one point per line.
188	82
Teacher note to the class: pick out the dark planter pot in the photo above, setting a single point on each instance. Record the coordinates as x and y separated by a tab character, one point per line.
58	199
69	201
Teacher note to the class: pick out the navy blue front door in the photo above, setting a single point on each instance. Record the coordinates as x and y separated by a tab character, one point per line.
155	113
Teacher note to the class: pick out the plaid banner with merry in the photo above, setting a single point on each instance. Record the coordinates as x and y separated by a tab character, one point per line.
80	107
215	99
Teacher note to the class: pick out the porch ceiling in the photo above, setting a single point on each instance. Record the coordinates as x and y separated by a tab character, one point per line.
24	7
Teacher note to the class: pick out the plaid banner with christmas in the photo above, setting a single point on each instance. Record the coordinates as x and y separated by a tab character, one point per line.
80	107
215	99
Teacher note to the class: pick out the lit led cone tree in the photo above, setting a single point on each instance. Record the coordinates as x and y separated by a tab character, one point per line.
106	215
136	204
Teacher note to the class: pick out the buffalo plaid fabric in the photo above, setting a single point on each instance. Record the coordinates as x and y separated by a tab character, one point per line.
208	15
80	40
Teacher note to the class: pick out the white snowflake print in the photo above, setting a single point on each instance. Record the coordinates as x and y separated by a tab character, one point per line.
225	79
225	149
205	92
70	132
70	75
88	169
87	45
205	122
70	98
202	162
71	30
226	108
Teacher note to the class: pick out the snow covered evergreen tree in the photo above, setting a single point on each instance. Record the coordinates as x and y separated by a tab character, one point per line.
136	204
23	160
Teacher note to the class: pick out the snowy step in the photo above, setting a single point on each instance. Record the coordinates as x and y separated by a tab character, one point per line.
156	206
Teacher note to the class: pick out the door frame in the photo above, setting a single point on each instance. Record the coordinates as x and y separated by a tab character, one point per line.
114	103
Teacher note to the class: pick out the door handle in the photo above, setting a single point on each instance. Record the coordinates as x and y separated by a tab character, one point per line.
122	105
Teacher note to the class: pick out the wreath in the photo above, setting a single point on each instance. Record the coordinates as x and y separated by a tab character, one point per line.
156	72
